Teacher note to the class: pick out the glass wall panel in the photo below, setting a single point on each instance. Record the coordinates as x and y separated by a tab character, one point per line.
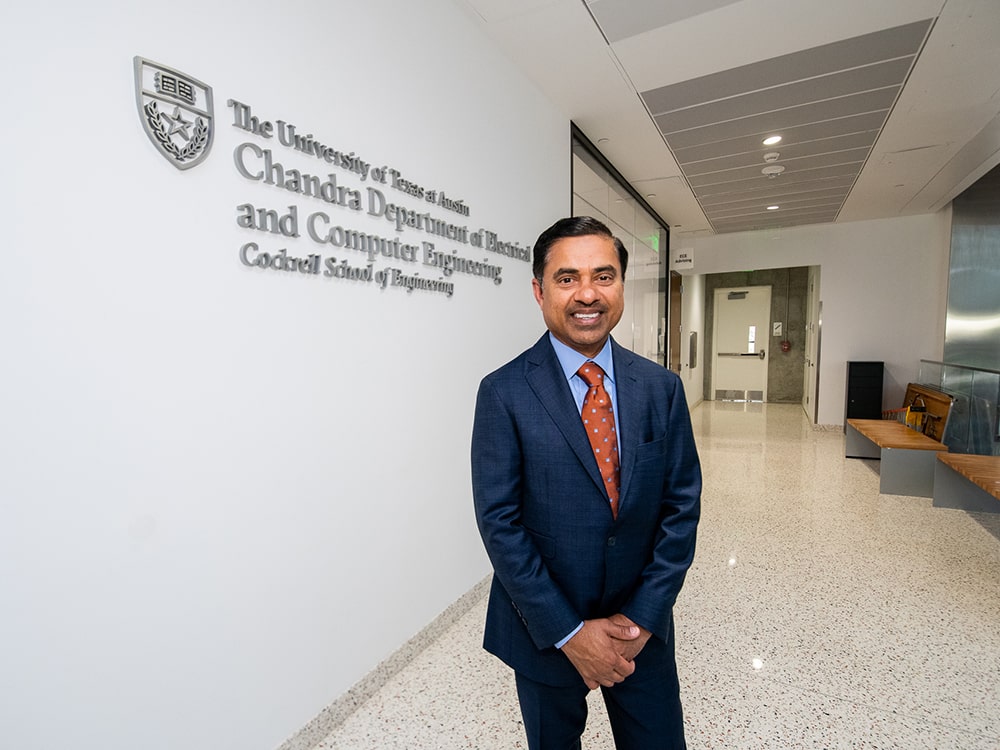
974	423
598	193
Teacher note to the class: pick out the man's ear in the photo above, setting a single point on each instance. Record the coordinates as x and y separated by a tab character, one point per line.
536	287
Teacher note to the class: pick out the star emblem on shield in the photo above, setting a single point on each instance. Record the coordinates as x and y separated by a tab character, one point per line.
176	112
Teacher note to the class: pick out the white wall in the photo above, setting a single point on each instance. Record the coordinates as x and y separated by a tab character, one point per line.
228	493
883	288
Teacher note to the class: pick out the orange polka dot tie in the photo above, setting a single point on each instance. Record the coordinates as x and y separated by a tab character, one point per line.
599	419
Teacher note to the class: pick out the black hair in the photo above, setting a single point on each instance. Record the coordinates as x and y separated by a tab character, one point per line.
576	226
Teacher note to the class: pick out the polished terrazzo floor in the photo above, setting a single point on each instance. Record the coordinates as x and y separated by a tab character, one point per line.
817	614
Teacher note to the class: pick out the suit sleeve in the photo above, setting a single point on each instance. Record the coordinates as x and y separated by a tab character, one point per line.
498	493
652	602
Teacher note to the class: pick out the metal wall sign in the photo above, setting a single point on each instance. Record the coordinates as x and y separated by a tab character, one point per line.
176	112
682	258
422	243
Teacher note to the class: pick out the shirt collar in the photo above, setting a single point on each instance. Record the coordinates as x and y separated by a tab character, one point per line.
570	359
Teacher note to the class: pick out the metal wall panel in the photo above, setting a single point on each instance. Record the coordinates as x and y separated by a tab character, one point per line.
972	331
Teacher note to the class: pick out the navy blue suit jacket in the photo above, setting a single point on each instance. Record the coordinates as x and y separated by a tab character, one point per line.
558	555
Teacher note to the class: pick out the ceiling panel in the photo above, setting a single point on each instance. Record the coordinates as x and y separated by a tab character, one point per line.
902	41
828	104
621	19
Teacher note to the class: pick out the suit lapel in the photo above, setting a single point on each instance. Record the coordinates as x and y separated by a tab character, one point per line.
546	379
629	393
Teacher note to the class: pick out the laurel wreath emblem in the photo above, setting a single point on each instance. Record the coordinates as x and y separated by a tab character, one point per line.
193	147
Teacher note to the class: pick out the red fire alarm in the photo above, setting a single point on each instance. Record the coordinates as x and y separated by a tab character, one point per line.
786	346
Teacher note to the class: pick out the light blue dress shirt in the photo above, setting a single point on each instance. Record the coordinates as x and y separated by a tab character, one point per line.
570	360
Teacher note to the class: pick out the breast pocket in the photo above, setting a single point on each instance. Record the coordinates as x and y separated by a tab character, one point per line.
650	451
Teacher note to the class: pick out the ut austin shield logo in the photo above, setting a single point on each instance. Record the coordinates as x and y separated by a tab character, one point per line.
176	112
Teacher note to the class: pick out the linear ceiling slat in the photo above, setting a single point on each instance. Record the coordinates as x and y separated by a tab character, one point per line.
869	122
764	222
869	101
742	225
760	208
890	43
847	171
795	151
769	190
753	175
781	198
842	83
730	168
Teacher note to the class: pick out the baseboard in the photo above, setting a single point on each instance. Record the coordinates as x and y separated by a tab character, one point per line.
337	712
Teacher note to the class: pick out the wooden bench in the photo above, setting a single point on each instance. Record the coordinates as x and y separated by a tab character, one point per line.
907	456
937	404
968	482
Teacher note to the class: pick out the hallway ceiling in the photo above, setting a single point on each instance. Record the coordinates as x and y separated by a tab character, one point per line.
885	108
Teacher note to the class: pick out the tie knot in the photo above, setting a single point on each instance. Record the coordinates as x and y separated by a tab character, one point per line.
591	373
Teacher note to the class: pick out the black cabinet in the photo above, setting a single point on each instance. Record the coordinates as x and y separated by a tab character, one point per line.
864	390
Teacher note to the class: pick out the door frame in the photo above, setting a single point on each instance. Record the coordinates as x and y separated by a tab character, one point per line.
814	338
674	307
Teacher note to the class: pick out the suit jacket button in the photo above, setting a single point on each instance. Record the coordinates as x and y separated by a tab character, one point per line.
611	541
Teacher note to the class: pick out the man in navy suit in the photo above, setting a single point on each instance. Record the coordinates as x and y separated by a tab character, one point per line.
585	578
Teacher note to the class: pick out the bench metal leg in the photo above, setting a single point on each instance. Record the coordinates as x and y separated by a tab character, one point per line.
907	472
952	490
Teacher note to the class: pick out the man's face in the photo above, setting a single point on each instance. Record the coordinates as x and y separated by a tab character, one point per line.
582	292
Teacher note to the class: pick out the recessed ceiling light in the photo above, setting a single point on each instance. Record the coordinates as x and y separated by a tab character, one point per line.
650	195
603	140
772	170
771	140
773	208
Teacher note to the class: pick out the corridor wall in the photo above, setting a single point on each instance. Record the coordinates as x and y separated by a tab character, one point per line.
233	483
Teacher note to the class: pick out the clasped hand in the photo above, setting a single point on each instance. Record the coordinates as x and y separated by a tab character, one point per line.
603	651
